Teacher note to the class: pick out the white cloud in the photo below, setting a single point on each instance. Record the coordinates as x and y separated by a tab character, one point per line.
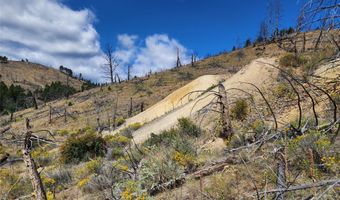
50	33
157	52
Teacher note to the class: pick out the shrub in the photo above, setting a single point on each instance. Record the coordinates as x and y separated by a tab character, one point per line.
185	75
127	132
83	147
291	60
159	167
187	127
164	138
240	110
42	156
11	184
281	90
116	143
61	175
120	121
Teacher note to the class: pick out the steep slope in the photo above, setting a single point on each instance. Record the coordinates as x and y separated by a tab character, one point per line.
31	76
256	72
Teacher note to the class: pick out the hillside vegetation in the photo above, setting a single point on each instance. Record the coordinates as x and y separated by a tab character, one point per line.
258	122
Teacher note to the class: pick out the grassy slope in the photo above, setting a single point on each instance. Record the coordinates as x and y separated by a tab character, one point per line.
32	76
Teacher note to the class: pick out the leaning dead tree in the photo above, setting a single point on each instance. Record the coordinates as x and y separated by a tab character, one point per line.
31	167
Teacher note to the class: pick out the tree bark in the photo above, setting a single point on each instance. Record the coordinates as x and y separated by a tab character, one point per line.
227	130
37	185
281	175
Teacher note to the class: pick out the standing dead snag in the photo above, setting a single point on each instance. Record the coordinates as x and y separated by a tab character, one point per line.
38	187
227	130
130	107
178	62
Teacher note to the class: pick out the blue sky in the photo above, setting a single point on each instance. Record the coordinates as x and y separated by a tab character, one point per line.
145	33
201	25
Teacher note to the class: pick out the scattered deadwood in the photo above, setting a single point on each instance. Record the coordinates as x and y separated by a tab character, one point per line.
335	182
205	171
166	186
4	130
37	185
215	167
281	174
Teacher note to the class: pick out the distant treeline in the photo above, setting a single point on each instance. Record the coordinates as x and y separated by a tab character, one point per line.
15	98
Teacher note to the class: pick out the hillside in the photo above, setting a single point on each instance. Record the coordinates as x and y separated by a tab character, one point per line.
33	76
282	114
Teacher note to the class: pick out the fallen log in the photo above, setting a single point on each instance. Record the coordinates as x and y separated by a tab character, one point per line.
205	171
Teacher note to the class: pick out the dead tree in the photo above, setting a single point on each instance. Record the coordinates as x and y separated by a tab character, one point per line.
109	69
38	187
193	59
275	14
178	62
35	102
142	107
115	112
281	174
130	108
128	72
65	115
227	130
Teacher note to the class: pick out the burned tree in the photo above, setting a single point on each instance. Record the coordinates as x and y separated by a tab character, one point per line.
109	69
227	130
178	62
37	184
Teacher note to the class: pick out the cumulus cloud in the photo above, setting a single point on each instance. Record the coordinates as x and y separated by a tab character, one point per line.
157	52
50	33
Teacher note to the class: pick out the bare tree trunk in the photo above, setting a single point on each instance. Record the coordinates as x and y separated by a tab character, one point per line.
227	130
130	108
142	107
304	42
129	73
115	113
65	116
35	102
50	115
178	63
281	174
318	40
38	187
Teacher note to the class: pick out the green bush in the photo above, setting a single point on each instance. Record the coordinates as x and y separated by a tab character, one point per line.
281	90
240	110
291	60
82	147
127	132
120	121
187	127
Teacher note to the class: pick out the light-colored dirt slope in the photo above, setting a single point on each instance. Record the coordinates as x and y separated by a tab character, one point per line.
256	73
174	100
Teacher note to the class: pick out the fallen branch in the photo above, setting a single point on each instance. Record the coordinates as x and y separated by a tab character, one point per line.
305	186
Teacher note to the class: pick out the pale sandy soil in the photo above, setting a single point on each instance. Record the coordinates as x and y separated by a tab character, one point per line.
165	114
